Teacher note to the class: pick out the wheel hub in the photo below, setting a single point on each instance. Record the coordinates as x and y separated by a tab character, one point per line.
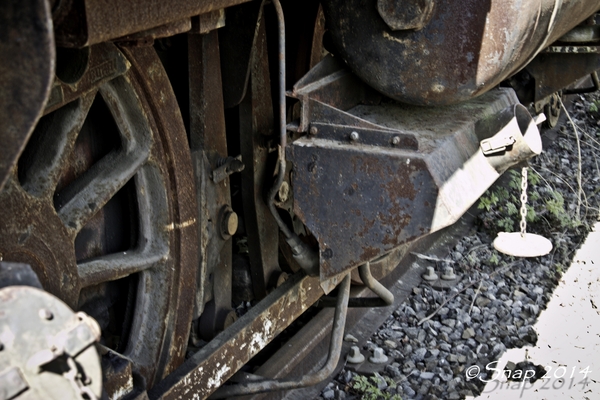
34	234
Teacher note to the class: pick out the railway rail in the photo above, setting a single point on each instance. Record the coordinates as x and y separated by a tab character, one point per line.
163	162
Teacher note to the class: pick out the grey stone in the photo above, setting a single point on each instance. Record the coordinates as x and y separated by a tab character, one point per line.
408	391
421	336
328	394
468	333
426	375
419	354
449	322
411	332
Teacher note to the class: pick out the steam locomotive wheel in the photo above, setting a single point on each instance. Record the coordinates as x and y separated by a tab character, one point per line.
102	205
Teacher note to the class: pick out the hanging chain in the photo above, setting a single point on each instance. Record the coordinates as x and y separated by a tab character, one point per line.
523	201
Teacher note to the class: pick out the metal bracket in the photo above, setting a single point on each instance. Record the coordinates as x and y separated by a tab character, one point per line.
497	143
227	166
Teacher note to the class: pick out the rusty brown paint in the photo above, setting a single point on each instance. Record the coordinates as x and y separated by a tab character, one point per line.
210	367
375	197
26	74
95	21
457	55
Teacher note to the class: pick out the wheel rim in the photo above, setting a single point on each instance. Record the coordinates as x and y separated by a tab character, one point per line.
53	220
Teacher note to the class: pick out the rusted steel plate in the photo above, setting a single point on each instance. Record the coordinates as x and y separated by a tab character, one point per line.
210	367
94	21
26	73
375	195
456	55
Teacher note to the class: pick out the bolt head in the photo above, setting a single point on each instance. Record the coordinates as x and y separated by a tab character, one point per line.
396	140
230	223
313	130
354	136
284	192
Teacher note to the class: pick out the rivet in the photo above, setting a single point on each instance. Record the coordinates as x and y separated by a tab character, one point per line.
313	130
396	140
354	136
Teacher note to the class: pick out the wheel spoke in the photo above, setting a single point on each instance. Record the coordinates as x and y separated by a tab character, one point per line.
50	155
117	266
77	203
125	108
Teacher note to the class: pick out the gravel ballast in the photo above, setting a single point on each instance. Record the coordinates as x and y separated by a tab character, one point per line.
437	334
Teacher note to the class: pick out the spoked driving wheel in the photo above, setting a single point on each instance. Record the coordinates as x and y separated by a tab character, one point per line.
102	206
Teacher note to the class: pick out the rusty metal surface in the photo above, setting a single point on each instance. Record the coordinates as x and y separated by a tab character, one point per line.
239	37
257	384
208	143
43	225
256	124
26	73
211	366
404	15
117	373
94	21
306	350
375	192
458	54
555	71
106	62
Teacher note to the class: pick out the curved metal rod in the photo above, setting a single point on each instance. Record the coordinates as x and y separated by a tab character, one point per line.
364	271
282	123
386	298
333	356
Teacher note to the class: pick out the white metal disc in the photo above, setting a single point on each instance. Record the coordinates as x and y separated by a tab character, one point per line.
529	245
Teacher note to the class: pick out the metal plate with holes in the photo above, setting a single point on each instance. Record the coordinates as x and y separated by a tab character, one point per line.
41	341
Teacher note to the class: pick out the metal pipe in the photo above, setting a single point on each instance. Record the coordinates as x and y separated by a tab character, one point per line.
386	298
282	122
333	356
304	255
364	271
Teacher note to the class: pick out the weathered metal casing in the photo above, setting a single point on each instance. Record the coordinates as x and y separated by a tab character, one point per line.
363	191
461	50
86	22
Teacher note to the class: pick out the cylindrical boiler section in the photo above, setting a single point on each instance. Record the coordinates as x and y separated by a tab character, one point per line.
434	52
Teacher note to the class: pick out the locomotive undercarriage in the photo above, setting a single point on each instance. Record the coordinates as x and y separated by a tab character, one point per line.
147	181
